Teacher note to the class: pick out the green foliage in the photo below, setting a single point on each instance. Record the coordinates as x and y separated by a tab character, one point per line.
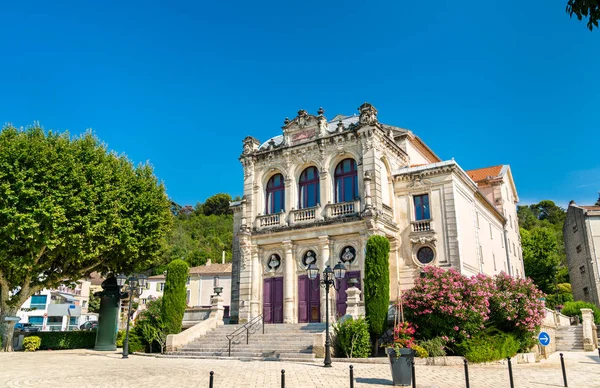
150	327
585	8
377	284
57	340
561	297
175	295
540	257
352	338
572	309
120	338
94	304
490	345
69	207
218	205
420	351
32	343
435	347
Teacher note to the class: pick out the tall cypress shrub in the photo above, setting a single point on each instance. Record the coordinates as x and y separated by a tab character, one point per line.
377	286
175	295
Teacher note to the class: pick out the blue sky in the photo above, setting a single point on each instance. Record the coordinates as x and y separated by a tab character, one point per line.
182	83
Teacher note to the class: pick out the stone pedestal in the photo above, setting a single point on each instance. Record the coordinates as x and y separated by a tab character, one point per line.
588	332
216	308
352	303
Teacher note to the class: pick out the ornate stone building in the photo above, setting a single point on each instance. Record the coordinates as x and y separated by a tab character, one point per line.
318	191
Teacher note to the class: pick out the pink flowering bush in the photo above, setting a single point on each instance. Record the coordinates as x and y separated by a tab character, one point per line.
517	307
446	304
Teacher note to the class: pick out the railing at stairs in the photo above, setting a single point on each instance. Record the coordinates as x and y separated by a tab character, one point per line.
246	327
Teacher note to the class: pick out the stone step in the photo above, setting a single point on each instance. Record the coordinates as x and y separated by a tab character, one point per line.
275	355
248	349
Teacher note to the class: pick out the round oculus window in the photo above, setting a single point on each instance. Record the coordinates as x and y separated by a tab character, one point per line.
425	255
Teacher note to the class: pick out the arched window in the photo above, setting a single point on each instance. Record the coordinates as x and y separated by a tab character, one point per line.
308	187
275	194
385	184
346	182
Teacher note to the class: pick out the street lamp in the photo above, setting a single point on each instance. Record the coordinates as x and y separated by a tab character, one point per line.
329	276
135	285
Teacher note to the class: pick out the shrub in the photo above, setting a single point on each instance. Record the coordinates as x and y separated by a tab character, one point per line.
377	285
121	338
490	345
574	308
420	351
175	296
149	326
56	340
352	338
32	343
448	304
436	347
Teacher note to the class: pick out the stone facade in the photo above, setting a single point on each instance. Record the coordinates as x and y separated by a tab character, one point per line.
581	233
431	211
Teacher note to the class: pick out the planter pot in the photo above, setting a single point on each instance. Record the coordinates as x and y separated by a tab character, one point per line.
401	365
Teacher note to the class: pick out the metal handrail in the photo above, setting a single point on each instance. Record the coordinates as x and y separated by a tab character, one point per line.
247	326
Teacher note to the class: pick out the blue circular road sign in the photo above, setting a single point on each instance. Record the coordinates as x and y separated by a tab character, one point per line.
544	338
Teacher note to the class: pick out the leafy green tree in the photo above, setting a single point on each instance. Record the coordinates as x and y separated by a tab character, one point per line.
585	8
540	257
68	207
175	296
218	205
377	286
94	304
150	326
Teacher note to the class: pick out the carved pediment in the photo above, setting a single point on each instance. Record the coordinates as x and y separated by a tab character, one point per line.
304	127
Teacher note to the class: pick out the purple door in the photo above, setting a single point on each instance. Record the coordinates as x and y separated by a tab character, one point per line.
273	300
309	303
341	296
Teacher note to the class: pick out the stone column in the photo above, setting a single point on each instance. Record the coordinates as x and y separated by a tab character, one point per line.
289	201
367	182
326	193
255	283
288	283
588	320
216	308
352	303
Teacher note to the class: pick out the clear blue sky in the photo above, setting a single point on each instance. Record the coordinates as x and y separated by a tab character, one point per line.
182	83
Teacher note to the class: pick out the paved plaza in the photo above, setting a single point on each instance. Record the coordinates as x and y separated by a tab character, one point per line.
106	369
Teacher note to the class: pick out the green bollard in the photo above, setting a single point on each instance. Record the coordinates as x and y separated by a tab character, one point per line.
108	319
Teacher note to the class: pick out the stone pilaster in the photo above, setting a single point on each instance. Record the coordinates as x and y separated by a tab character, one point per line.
588	321
288	283
353	301
255	282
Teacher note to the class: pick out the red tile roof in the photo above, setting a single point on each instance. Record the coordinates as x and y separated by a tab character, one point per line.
481	174
212	268
590	207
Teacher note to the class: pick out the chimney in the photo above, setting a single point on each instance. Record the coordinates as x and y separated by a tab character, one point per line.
208	262
223	258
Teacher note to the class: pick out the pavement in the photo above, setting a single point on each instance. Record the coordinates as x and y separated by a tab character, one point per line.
87	368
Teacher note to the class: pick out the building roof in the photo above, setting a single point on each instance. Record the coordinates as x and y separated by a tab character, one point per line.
208	269
211	268
590	207
485	173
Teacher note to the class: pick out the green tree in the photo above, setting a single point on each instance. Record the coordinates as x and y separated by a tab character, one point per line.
585	8
377	286
540	257
175	296
68	207
218	205
94	304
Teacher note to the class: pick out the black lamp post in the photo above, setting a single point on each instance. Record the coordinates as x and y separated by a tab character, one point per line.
329	276
131	289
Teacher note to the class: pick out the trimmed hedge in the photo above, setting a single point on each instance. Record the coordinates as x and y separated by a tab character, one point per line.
57	340
377	285
175	296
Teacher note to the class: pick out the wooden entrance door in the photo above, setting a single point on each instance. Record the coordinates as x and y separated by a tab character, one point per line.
309	300
341	295
273	300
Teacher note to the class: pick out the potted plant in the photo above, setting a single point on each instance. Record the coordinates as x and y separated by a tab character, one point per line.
400	354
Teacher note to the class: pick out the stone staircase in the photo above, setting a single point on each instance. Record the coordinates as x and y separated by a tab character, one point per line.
280	342
569	338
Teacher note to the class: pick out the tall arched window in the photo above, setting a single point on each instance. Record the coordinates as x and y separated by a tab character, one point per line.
346	181
275	194
308	187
